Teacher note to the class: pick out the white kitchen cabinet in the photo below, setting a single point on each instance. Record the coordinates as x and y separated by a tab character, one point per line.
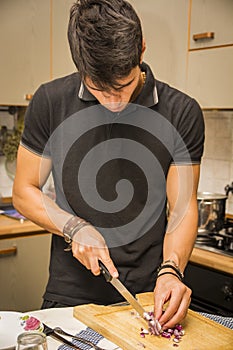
24	264
25	48
210	61
62	63
165	28
210	77
211	16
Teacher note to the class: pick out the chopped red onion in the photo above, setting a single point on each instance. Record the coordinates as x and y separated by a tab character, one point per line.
178	337
178	327
154	328
166	335
176	340
145	331
176	332
170	330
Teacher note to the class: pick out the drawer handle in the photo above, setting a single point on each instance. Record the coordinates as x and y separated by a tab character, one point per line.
201	36
8	251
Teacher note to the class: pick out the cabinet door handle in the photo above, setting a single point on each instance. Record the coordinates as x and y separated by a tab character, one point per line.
28	97
8	251
201	36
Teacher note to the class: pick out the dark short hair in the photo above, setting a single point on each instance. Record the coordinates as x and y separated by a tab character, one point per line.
105	38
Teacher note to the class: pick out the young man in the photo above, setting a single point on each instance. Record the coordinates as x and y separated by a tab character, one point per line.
125	153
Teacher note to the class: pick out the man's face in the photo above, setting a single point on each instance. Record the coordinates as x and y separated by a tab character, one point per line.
116	100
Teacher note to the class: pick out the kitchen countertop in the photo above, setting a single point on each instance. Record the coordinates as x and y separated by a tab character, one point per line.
213	260
66	319
62	317
11	228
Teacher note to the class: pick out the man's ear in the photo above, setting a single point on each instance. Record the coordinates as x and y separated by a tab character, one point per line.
143	50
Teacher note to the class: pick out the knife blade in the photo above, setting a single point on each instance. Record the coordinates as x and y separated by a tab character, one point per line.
49	332
154	324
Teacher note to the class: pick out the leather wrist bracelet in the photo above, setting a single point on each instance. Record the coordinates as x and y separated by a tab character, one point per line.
71	223
70	226
169	273
78	228
170	266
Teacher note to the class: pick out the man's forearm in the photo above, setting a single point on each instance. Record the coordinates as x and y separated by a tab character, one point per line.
178	243
40	209
182	184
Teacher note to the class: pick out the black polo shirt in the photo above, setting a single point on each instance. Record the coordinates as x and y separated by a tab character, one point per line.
111	169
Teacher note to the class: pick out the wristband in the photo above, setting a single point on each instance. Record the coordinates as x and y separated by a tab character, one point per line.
78	227
170	273
177	270
174	264
72	226
171	262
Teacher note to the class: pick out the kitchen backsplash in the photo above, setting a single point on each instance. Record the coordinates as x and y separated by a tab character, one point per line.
5	181
217	163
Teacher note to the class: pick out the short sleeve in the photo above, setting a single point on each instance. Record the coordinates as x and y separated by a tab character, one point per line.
189	140
37	123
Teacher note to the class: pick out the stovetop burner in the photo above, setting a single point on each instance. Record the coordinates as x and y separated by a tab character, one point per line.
218	242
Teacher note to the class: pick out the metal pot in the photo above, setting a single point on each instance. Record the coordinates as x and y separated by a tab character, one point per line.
211	211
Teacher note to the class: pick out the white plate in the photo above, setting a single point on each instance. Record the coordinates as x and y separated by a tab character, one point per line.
10	328
11	325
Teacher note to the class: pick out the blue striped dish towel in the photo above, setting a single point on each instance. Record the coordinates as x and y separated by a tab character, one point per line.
88	334
224	321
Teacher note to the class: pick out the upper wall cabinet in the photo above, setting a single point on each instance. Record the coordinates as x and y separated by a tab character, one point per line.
210	57
165	27
210	77
62	63
25	48
211	23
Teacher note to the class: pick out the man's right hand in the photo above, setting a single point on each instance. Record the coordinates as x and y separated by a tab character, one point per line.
89	246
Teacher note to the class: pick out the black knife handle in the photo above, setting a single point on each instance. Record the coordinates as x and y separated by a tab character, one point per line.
64	341
105	272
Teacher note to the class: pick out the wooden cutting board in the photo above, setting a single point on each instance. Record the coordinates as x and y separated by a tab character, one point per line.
120	325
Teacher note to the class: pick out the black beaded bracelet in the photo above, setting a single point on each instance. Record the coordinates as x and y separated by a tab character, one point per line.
166	266
169	261
174	264
169	273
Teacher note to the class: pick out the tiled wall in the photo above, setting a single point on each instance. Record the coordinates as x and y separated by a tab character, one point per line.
5	181
217	163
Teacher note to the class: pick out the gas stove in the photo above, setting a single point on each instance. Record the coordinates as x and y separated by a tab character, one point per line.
220	242
203	298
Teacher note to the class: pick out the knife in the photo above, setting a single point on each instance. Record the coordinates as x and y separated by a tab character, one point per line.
154	324
51	333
